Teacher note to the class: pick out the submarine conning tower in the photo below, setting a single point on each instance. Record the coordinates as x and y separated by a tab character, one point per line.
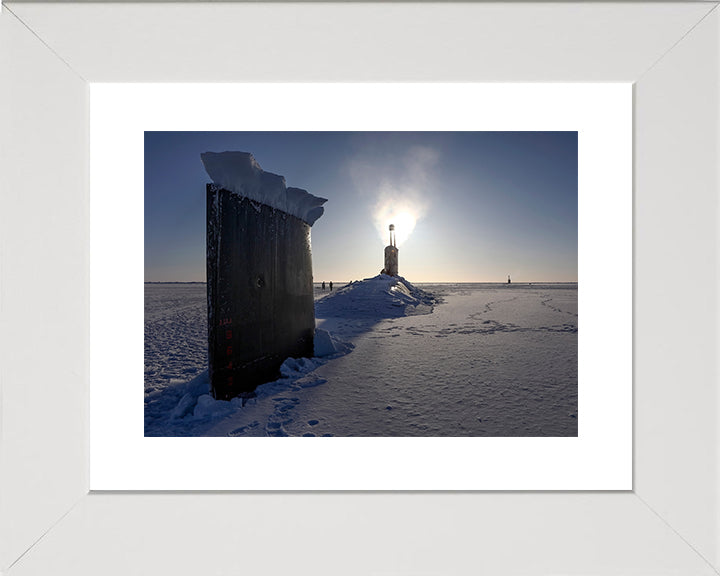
391	255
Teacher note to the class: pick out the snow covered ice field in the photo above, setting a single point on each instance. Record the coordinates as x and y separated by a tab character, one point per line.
399	360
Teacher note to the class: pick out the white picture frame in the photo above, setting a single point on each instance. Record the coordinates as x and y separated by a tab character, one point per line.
50	523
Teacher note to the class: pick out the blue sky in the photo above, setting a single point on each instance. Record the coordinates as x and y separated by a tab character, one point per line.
484	204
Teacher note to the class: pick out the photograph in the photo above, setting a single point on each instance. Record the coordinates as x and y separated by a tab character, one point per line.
361	284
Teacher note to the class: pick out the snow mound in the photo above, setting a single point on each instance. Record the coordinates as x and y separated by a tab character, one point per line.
195	404
240	173
328	345
294	367
379	297
209	408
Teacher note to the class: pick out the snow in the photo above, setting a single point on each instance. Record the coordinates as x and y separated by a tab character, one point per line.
379	297
392	359
241	174
175	333
328	345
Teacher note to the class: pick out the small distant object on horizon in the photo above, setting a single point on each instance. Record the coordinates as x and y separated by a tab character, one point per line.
330	285
323	285
509	279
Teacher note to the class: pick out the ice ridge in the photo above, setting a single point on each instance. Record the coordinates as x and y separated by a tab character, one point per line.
376	298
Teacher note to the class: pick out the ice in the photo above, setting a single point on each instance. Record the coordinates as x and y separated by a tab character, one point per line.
404	360
185	406
296	366
208	407
323	343
175	333
375	298
240	173
328	345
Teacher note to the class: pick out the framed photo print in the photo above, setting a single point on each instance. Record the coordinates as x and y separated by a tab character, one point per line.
437	278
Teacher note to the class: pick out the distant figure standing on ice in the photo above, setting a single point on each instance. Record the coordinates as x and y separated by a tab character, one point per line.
331	285
509	279
323	284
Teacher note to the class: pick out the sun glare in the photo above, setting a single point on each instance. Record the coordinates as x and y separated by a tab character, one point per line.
404	219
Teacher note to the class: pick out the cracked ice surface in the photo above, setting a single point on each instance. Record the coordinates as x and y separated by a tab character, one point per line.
450	360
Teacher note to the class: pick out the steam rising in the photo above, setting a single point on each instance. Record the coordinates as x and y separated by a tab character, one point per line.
402	191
